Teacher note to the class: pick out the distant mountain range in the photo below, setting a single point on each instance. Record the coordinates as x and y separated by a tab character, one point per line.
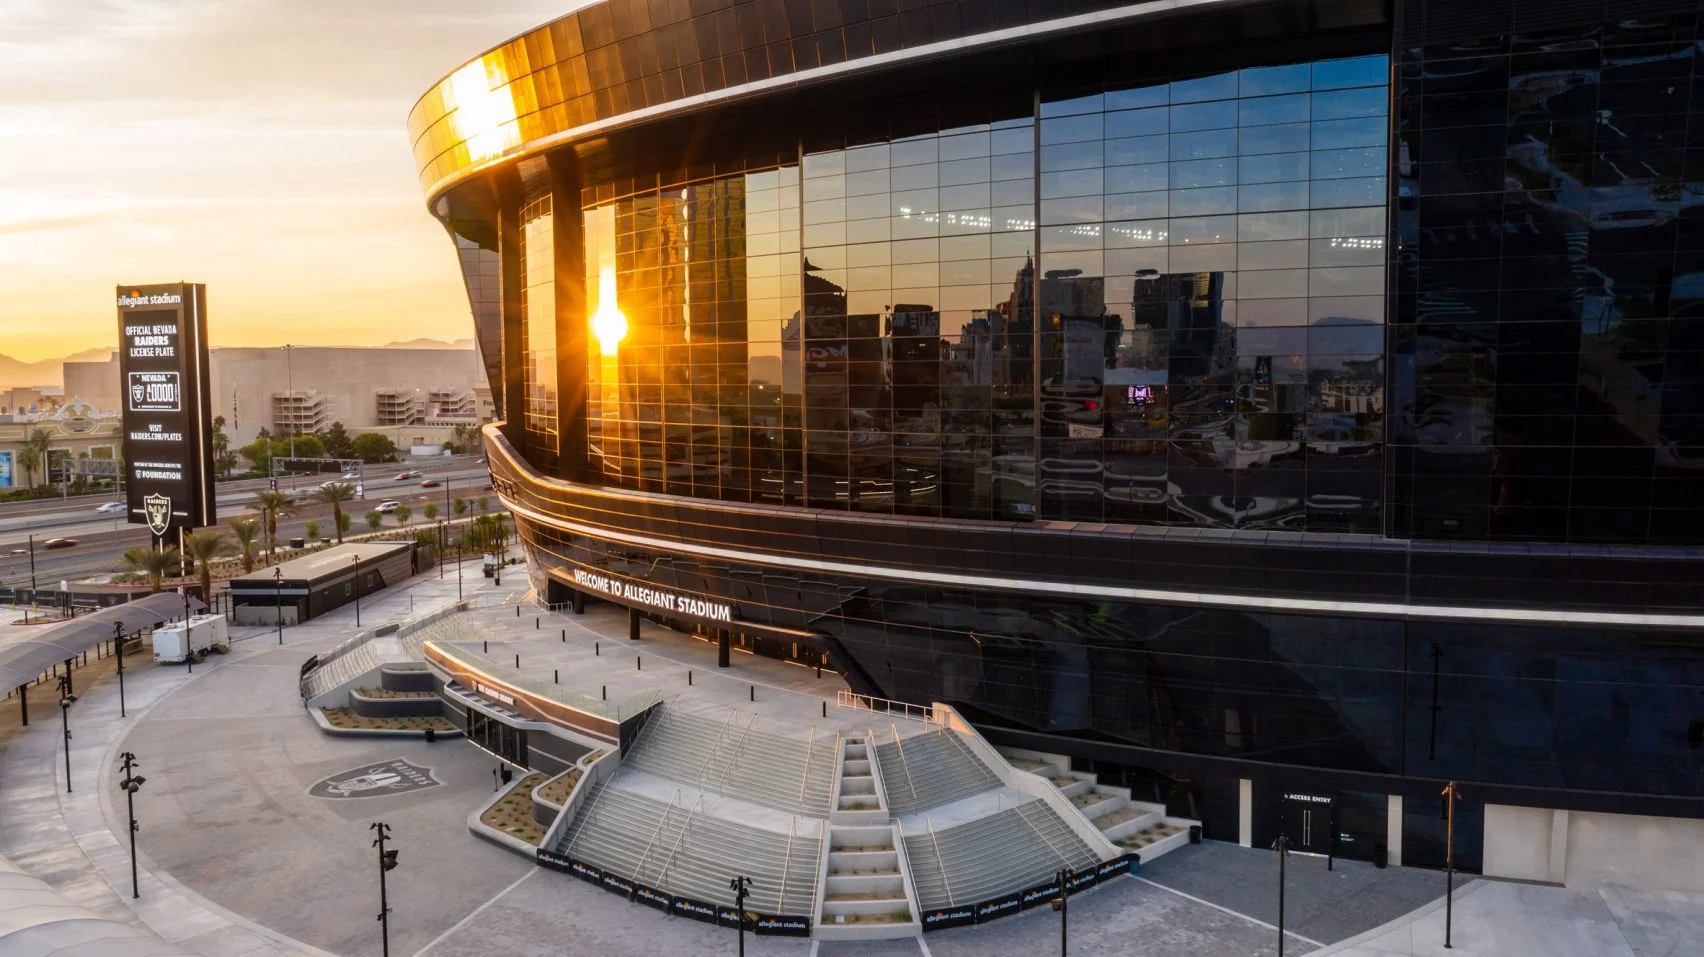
15	373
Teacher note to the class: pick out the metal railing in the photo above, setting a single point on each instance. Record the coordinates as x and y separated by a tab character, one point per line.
940	862
864	702
662	821
904	765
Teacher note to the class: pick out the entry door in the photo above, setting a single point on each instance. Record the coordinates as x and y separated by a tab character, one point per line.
1308	822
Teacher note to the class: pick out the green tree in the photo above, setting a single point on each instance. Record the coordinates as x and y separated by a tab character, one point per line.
403	513
460	507
307	447
221	445
313	530
203	547
335	494
372	447
33	453
430	511
259	453
343	523
375	518
247	534
483	503
271	506
337	441
154	564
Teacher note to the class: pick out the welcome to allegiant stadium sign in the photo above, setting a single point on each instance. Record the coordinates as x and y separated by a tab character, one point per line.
662	599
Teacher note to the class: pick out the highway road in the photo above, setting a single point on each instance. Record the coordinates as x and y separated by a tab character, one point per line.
102	539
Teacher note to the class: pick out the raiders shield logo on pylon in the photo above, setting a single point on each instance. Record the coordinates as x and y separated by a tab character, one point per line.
158	510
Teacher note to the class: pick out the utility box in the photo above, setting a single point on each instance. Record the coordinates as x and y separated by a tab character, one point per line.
174	644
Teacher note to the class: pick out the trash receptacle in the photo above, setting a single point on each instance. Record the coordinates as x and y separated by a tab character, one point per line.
507	775
1381	856
298	542
1195	834
431	735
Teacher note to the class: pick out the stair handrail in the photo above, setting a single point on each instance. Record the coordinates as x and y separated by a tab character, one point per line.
787	862
904	764
733	762
586	812
662	820
1039	833
714	748
805	779
668	862
940	862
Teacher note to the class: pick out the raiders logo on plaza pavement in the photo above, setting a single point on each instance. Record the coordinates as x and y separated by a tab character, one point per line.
371	780
158	510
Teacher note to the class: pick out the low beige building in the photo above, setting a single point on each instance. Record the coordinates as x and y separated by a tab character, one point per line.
414	396
79	436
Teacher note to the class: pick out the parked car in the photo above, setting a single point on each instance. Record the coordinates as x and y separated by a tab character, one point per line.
386	507
429	483
405	476
60	543
108	508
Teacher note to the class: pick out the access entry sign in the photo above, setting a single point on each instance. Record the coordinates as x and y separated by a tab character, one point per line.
168	431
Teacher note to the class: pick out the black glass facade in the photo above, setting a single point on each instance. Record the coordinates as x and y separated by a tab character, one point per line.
1305	392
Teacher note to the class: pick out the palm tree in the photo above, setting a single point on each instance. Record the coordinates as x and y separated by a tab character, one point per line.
32	453
155	564
203	547
246	532
335	494
271	505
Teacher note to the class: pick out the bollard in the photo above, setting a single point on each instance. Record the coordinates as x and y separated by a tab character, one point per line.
819	671
536	625
825	709
689	677
517	661
754	692
556	674
564	636
595	652
606	692
638	663
485	647
517	611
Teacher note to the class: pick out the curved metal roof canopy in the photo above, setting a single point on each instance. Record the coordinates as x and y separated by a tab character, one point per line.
35	919
21	661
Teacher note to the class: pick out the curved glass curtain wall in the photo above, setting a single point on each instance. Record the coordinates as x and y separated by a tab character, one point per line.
538	323
861	331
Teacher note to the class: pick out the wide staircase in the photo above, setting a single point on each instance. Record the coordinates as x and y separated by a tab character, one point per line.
1142	827
1015	848
680	849
736	759
929	770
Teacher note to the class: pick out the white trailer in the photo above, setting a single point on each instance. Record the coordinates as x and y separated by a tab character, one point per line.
175	643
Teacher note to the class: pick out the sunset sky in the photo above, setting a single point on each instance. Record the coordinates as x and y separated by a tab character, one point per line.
254	145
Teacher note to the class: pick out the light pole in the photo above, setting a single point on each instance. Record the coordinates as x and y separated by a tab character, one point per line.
118	650
32	571
1449	859
1283	846
355	560
1061	904
66	699
278	596
387	860
130	784
741	886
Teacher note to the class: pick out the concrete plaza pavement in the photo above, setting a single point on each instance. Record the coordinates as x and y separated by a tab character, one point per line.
238	859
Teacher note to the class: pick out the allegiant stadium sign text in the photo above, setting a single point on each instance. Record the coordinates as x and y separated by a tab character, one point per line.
658	598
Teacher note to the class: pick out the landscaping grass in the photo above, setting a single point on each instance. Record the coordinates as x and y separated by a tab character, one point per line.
345	718
512	814
1147	835
557	791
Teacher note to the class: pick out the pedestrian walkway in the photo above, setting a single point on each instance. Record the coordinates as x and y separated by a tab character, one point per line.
73	840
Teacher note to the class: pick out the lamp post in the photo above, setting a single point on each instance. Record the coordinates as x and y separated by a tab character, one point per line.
278	597
32	571
387	860
1062	904
355	560
741	886
66	699
118	651
130	784
1283	846
1449	859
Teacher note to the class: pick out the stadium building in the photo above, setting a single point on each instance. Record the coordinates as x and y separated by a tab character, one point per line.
1267	404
